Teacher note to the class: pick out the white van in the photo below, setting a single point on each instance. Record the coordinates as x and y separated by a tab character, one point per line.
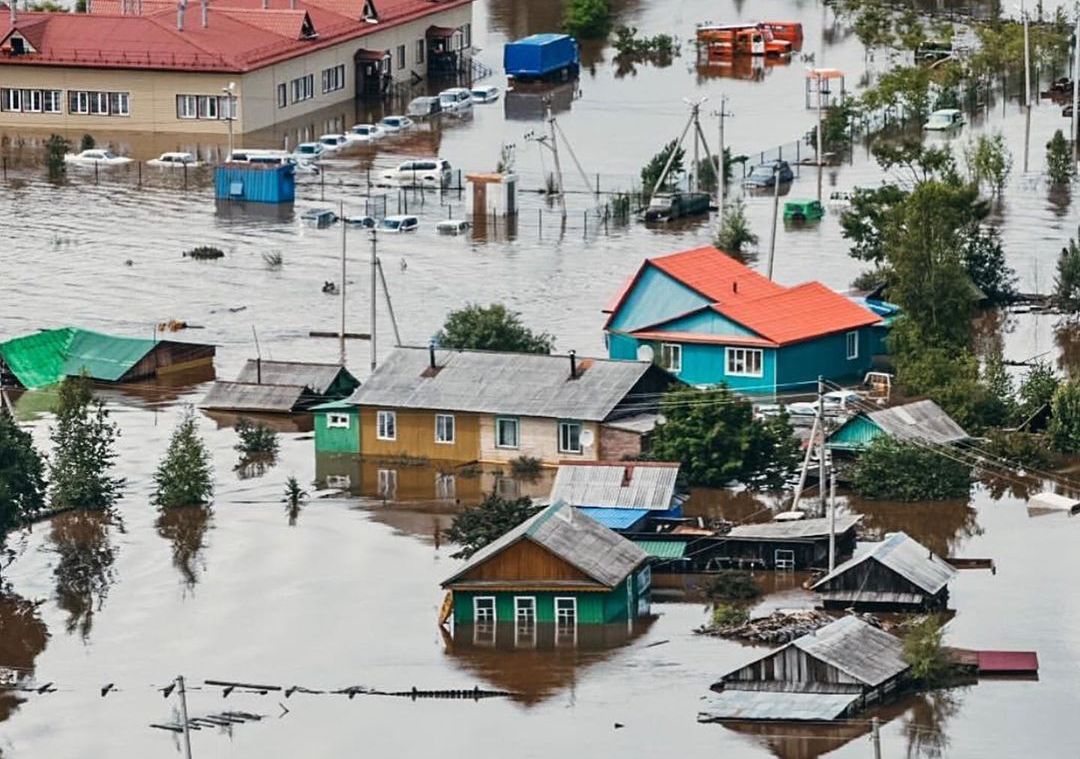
423	172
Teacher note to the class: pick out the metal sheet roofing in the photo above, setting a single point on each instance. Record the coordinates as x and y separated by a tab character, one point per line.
46	357
776	705
582	542
797	529
858	648
317	377
243	396
716	275
921	420
905	556
1008	661
663	549
799	313
615	518
634	486
1054	501
488	382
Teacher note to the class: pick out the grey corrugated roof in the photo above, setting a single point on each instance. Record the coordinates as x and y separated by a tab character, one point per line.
318	377
242	396
642	424
794	529
486	382
908	558
921	420
649	486
603	555
776	705
858	648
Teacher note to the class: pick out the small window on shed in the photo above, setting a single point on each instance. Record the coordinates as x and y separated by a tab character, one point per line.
341	421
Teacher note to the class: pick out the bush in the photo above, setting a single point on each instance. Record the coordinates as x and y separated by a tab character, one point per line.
491	328
735	234
869	279
87	142
56	147
525	466
205	253
1067	282
185	476
1022	448
1064	428
729	615
255	438
475	528
924	651
989	161
733	585
294	499
1038	388
892	470
650	173
659	49
83	449
1059	161
587	19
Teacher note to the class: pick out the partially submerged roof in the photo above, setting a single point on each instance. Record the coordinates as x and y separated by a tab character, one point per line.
490	382
1054	501
614	518
617	485
663	549
796	529
249	396
921	420
905	556
776	705
317	377
603	555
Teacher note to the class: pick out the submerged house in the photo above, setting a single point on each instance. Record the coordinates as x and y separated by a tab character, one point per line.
708	319
493	407
824	675
898	574
920	422
47	357
624	496
281	387
558	566
798	544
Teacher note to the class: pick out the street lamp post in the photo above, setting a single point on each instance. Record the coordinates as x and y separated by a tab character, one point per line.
230	93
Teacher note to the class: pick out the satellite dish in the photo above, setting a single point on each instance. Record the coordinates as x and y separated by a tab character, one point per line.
586	438
645	353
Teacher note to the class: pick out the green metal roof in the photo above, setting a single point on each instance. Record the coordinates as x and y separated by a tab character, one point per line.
663	549
341	405
46	357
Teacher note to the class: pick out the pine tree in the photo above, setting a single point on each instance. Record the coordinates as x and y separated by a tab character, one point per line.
84	452
22	479
185	476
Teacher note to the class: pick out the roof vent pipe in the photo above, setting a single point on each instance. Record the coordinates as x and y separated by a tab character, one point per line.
266	5
431	353
573	364
12	8
292	4
180	8
205	13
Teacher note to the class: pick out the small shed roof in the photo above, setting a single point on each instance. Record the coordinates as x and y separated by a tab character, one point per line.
249	396
614	518
863	651
318	377
617	485
905	556
1002	662
491	382
797	529
663	549
582	542
46	357
921	420
776	705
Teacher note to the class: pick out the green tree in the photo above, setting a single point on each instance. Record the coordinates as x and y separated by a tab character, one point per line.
56	147
22	476
491	328
708	169
735	235
1067	282
925	653
185	477
84	454
716	437
897	471
863	224
904	86
474	528
1064	428
1001	393
87	142
984	260
1059	161
256	438
989	161
46	6
1038	388
650	174
587	19
294	499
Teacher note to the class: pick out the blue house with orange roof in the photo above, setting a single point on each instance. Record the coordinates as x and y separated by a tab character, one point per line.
708	319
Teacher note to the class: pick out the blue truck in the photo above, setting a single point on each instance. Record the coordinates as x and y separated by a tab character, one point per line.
542	58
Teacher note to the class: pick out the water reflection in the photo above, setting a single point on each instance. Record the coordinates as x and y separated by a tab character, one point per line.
941	526
185	528
84	569
1067	338
925	725
536	661
23	636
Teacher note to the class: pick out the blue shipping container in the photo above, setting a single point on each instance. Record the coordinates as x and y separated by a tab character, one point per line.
255	183
541	56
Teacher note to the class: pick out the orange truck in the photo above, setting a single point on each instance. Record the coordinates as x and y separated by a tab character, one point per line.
729	40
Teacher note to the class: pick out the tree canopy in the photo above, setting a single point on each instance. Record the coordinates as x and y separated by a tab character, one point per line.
22	476
493	328
495	516
84	454
185	477
896	471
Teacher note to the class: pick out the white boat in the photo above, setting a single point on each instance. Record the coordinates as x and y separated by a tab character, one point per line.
96	157
174	161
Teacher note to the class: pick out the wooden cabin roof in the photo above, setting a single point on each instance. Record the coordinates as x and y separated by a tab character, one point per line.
794	530
319	378
244	396
732	704
922	421
628	485
906	557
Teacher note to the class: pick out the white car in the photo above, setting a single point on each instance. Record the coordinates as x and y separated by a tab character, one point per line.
398	224
308	151
174	161
333	142
488	94
456	99
423	172
96	157
364	133
452	227
392	124
272	158
834	403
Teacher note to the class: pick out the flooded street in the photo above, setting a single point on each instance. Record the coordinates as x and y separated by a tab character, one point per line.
349	596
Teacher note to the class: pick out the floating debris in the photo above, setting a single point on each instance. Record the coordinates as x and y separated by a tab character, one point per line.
778	627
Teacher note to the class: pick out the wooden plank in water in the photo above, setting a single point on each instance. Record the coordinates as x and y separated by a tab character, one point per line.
337	335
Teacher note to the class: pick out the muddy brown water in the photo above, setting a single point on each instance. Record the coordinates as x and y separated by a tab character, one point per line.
349	595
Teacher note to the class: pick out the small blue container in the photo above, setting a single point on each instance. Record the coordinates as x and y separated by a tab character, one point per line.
256	183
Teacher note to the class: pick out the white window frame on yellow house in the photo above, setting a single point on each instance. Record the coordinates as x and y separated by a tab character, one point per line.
386	425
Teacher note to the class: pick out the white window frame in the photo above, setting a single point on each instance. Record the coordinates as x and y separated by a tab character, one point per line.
387	483
187	106
439	438
282	95
559	620
99	99
566	425
333	78
123	104
384	421
731	355
671	357
52	101
12	100
445	486
852	345
466	36
208	107
517	432
400	57
32	101
338	421
420	51
519	607
82	101
476	610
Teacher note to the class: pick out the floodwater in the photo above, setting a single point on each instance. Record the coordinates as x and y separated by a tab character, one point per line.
348	596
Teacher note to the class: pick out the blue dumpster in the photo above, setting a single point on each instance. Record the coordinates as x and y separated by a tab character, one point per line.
257	183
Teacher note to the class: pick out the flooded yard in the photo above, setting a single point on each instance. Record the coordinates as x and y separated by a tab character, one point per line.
349	596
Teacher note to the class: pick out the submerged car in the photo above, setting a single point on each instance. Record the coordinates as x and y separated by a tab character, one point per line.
765	174
392	124
488	94
945	119
174	161
333	142
364	133
309	151
452	227
803	210
96	157
399	224
423	107
456	99
425	172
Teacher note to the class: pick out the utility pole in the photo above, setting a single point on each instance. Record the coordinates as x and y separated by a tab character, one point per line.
875	736
555	152
1076	90
820	157
344	226
374	285
775	213
183	716
821	443
721	164
1027	59
832	519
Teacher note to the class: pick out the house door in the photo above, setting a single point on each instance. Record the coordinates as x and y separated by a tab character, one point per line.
367	73
784	559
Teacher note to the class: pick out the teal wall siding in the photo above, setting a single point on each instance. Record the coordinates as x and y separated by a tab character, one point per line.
826	357
622	347
707	322
654	298
855	434
337	439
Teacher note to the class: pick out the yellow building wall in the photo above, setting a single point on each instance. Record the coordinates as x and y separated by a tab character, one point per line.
416	436
538	438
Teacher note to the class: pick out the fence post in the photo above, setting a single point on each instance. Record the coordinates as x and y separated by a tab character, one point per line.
322	184
585	221
95	172
540	223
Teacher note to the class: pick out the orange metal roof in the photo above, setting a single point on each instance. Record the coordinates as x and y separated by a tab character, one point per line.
716	275
799	313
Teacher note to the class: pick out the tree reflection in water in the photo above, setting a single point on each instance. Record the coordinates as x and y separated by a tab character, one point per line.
1067	337
925	724
84	567
23	636
255	465
941	526
186	529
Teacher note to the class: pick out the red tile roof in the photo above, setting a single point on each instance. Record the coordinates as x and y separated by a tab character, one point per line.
799	313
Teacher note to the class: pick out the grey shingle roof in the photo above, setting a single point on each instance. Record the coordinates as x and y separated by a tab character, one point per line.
241	396
905	556
603	555
318	377
798	529
857	648
921	420
650	486
776	705
520	384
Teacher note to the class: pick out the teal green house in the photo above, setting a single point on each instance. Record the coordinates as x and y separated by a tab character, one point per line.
708	319
560	567
922	422
337	427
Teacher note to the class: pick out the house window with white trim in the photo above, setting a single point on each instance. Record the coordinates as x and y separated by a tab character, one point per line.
10	100
400	57
566	612
32	101
387	483
338	421
99	103
569	437
744	362
386	425
506	432
671	357
187	107
444	429
525	610
466	36
208	107
51	101
852	345
303	88
333	78
282	95
79	102
483	609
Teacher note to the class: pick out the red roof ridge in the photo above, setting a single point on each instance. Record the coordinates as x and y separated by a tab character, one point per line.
170	27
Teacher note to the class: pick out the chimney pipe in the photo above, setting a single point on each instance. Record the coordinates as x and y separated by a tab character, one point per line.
205	13
14	12
258	370
266	5
735	286
180	8
573	364
431	353
292	4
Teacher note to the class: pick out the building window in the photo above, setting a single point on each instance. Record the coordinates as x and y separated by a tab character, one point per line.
11	100
384	64
387	483
444	428
565	612
483	609
31	101
303	88
644	579
421	46
445	486
525	610
187	107
671	357
744	362
282	95
506	432
119	104
852	345
51	101
400	57
387	425
95	103
466	35
569	437
99	103
338	421
78	102
208	107
333	79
